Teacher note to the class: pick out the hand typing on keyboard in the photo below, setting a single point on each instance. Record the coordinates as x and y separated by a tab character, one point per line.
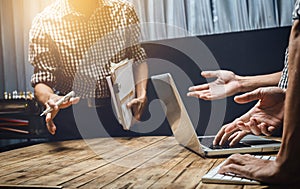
209	143
214	176
248	166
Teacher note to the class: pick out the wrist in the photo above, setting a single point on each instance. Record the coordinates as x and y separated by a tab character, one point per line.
241	83
247	83
43	93
52	96
141	93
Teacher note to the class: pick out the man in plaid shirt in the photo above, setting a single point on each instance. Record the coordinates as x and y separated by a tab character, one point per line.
72	44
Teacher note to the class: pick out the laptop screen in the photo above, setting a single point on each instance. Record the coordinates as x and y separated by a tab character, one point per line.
176	113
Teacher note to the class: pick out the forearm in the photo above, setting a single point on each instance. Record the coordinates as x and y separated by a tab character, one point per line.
141	79
290	150
250	83
43	93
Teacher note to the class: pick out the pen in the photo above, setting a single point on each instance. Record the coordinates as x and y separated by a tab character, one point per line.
59	102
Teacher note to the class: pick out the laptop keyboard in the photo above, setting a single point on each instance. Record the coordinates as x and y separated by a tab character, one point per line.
208	142
214	177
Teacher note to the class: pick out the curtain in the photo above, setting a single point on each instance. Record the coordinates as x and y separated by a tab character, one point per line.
230	15
15	21
160	19
199	16
263	13
285	8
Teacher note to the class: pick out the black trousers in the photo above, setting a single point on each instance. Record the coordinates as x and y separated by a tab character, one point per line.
81	121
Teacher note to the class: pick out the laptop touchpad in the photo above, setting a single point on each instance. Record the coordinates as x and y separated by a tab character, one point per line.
257	140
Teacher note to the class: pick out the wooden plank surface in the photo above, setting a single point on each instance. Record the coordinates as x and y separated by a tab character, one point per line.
143	162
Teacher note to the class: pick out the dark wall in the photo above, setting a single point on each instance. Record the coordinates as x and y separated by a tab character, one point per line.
245	53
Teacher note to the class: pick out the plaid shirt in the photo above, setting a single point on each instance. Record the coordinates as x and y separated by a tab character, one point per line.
283	83
70	51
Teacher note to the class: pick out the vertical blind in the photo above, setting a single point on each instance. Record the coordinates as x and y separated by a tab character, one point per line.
15	21
161	19
165	19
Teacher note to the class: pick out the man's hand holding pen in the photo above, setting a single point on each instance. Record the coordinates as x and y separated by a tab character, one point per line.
53	105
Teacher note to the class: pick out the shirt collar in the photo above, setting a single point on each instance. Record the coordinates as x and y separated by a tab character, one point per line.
67	9
106	3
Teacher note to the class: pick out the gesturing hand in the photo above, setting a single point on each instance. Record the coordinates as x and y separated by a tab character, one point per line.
226	84
51	103
265	117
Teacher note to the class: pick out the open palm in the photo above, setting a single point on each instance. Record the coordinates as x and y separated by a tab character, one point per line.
267	115
264	118
226	84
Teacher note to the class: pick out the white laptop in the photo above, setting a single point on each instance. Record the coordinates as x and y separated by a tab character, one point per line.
185	133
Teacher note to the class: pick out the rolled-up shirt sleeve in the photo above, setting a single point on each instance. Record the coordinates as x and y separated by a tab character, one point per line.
42	55
296	12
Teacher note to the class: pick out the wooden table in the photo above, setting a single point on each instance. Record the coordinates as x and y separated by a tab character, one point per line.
144	162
